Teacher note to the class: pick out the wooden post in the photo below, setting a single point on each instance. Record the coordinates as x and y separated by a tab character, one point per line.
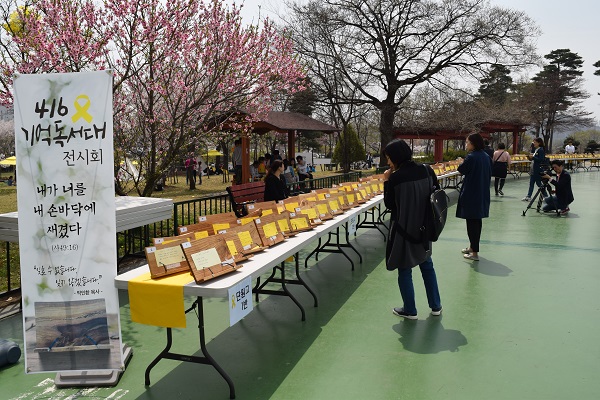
291	152
438	152
515	142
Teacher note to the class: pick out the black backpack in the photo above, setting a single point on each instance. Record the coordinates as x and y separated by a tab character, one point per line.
435	216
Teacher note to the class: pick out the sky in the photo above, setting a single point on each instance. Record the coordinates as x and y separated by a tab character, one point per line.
571	24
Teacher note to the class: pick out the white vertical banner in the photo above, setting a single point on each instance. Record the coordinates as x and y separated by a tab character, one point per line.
67	227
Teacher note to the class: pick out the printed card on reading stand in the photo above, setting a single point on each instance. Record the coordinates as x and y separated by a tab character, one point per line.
166	259
200	230
306	198
322	194
299	222
367	189
234	246
270	233
291	203
324	210
312	213
334	205
375	187
243	240
266	207
360	196
208	258
341	199
166	240
283	223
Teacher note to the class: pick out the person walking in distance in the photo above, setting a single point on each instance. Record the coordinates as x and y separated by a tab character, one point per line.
500	163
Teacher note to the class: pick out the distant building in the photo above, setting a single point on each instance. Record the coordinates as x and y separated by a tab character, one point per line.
6	113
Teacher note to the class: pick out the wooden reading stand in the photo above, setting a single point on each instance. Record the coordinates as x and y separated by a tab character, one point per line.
166	240
312	213
199	231
246	239
208	258
341	199
211	218
299	222
166	259
307	197
325	207
270	233
265	206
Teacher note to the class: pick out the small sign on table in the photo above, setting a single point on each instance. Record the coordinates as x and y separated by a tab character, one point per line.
240	300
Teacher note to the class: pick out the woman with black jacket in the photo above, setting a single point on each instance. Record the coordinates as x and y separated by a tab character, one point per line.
406	194
274	187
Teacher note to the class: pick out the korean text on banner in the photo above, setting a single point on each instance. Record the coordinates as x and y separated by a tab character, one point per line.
67	228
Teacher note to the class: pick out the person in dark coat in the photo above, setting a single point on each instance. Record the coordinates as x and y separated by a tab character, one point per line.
488	149
474	197
407	186
274	187
564	193
537	156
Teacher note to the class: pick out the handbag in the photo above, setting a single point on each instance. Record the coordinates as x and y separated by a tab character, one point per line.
499	168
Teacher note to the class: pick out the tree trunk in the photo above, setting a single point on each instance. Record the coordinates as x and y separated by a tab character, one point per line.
386	129
190	176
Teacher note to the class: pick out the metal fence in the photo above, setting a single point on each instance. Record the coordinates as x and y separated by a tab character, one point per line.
133	241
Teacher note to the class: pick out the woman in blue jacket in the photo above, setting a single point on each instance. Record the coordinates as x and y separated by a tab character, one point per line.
474	198
538	156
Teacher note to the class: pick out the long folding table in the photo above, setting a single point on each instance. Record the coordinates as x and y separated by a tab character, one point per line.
254	268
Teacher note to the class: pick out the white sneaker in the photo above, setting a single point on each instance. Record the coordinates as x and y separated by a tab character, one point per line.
526	198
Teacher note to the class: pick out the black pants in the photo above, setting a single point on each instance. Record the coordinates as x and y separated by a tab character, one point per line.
498	184
474	232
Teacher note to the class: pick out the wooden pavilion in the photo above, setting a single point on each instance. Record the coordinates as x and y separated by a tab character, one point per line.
291	123
440	135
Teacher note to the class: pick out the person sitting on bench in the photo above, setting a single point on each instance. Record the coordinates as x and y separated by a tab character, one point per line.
302	169
275	188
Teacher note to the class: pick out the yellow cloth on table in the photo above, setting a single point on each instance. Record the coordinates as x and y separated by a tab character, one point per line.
158	302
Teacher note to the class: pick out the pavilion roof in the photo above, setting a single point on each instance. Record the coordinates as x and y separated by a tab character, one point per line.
457	134
285	121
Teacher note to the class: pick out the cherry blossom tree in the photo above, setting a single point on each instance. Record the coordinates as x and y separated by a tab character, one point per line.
181	68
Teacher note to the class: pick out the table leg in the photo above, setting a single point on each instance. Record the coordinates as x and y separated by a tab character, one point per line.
284	290
373	223
337	247
206	359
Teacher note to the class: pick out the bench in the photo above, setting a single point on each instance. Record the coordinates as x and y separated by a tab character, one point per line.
245	193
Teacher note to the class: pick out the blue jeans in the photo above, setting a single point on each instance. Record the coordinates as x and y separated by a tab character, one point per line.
551	203
534	178
407	290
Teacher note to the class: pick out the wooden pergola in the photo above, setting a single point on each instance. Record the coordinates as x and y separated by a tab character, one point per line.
283	122
440	135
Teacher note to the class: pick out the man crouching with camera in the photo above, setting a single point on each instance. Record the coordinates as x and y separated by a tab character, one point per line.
563	194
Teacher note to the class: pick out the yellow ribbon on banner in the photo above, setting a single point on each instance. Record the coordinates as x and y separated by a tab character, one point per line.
158	302
82	109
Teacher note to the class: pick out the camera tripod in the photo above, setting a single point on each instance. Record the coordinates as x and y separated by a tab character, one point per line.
542	192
